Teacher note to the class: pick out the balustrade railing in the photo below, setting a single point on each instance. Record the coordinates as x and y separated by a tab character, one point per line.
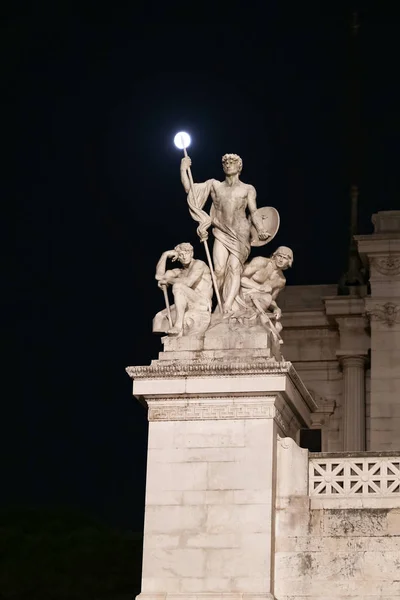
354	480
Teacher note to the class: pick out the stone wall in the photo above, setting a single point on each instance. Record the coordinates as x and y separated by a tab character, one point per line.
211	475
333	553
338	554
311	344
208	508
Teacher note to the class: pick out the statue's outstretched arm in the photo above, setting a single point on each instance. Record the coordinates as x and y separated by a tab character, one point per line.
185	165
202	190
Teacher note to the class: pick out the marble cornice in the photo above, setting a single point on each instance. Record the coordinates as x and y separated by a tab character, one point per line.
220	369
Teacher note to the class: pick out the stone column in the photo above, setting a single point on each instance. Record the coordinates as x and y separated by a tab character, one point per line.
211	476
381	250
354	402
349	314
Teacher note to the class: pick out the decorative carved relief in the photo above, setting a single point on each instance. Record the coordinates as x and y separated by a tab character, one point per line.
203	411
387	265
224	369
388	313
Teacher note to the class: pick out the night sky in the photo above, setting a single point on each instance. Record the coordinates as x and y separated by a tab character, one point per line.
91	100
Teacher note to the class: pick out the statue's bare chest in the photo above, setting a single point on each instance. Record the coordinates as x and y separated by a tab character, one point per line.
225	195
268	273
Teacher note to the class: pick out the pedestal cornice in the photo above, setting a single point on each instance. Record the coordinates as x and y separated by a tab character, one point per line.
218	391
159	370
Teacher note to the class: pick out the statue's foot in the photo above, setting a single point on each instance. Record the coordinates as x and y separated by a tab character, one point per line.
176	331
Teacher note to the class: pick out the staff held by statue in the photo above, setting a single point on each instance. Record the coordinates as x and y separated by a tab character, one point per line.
182	141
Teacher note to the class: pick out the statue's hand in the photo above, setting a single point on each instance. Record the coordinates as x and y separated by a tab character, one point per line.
277	313
186	163
263	234
266	288
162	283
172	254
203	236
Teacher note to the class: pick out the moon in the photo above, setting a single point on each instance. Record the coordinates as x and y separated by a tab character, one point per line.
182	140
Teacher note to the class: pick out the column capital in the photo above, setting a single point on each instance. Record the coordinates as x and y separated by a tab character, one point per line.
352	321
352	359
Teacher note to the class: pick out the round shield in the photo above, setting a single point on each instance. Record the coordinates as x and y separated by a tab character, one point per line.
271	220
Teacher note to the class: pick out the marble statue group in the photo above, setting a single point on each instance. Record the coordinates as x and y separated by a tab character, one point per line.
246	290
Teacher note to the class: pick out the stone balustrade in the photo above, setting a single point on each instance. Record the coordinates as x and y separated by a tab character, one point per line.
354	480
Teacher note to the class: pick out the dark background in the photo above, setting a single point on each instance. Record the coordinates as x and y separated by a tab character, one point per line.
92	97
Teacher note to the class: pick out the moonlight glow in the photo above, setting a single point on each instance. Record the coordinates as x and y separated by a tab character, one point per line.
182	140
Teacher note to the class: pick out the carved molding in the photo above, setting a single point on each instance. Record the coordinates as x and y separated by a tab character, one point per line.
387	265
224	409
220	369
388	313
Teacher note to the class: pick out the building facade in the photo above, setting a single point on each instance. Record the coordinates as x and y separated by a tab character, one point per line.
346	348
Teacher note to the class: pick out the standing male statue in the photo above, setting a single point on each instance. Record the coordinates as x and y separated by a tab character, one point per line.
231	226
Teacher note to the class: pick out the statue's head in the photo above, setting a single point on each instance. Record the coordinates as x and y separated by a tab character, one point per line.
185	252
283	257
232	164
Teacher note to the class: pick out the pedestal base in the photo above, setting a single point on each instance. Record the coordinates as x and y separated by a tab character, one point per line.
211	474
222	342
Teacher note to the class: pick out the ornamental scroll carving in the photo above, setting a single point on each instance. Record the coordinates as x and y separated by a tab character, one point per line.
388	313
387	265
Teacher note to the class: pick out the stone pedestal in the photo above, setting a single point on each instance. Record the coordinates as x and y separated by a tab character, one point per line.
381	251
211	473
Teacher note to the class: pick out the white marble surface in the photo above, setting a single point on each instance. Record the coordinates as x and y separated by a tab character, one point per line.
211	472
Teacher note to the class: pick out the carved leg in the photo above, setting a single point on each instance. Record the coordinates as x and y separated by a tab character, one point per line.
232	282
220	259
180	301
